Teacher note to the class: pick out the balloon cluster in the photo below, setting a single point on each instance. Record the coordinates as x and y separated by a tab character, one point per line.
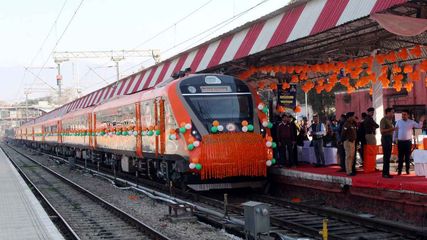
216	127
263	108
271	145
247	127
192	143
194	164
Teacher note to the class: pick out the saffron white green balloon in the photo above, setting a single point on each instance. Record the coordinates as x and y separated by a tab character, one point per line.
214	129
244	128
268	163
220	128
188	126
196	143
190	147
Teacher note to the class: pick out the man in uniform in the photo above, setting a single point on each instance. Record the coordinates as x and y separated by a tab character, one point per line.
370	127
387	129
349	135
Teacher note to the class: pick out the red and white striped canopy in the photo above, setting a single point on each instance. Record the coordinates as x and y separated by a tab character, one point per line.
288	24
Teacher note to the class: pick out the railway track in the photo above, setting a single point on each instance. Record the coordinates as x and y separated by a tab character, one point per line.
85	215
293	219
308	220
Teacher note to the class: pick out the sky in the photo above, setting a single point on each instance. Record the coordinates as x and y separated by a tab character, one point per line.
31	30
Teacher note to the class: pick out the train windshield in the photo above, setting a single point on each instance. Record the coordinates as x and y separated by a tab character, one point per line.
224	108
218	97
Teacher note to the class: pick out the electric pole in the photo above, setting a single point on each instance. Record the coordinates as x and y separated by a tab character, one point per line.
116	56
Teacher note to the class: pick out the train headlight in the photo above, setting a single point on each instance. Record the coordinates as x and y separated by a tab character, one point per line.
231	127
192	89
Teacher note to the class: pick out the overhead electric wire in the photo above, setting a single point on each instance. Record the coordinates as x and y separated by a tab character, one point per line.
219	26
59	39
42	45
163	31
174	24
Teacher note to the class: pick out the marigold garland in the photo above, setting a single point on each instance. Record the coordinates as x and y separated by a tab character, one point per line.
352	74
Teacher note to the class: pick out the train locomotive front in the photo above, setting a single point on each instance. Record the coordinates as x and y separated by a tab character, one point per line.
220	125
204	131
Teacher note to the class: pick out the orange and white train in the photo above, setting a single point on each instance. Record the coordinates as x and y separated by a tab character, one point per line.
207	131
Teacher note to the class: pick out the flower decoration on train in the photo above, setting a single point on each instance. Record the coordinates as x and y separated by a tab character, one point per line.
172	134
267	124
215	125
400	69
192	143
269	143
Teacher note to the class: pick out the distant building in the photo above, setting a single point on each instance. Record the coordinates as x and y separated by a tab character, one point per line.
14	116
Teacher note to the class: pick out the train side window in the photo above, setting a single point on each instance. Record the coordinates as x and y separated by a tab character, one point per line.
147	113
169	117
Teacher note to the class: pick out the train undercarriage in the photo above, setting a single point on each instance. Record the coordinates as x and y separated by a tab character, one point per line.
168	171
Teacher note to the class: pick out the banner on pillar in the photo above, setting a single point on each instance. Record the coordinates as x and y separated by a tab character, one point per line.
287	98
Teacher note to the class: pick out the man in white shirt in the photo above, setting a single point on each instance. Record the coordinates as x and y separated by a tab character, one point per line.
403	136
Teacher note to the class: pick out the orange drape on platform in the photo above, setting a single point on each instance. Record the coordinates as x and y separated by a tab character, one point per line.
369	158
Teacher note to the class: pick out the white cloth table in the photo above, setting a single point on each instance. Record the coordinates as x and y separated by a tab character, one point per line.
307	154
420	162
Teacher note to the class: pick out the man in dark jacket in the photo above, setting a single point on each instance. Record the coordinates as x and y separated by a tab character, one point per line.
370	127
349	134
286	135
340	141
361	139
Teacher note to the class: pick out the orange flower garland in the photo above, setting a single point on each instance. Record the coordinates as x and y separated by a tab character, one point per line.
358	70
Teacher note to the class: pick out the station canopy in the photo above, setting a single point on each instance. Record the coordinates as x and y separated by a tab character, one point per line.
303	32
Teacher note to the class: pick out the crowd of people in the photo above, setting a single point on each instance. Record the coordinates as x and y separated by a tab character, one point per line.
349	135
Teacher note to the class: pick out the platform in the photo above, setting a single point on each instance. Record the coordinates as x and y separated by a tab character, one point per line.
363	193
403	183
21	215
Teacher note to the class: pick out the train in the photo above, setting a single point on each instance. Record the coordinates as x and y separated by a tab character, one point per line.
202	131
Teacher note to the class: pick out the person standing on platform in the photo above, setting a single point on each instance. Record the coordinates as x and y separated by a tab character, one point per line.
349	137
294	146
403	136
286	135
340	141
361	139
302	134
276	152
370	127
318	131
330	139
387	129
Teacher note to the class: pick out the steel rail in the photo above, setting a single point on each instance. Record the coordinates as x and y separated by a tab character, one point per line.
63	226
151	232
